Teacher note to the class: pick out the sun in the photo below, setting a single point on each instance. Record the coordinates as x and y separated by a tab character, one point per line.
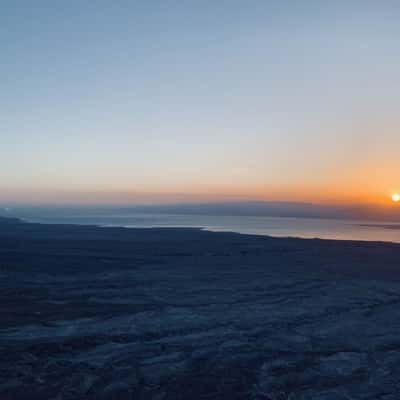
396	197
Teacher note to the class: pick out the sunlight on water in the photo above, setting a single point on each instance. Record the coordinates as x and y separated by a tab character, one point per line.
294	227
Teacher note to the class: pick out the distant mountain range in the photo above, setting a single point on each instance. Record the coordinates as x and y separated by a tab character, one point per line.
256	208
280	209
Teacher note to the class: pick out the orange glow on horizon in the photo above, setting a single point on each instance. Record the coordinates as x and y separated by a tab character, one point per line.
334	195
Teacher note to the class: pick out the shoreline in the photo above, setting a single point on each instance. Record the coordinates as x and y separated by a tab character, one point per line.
210	229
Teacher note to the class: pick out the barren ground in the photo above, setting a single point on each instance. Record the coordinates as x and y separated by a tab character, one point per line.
167	314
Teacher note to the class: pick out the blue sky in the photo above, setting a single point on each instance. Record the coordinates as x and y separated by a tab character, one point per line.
208	99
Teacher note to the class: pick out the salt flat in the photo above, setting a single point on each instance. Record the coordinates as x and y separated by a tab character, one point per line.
113	313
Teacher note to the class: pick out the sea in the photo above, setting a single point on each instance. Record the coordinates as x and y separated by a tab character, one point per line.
258	225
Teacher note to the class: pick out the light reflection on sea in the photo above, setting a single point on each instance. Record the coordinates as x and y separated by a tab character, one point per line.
260	225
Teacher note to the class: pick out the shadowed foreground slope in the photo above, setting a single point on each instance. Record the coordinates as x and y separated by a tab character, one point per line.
112	313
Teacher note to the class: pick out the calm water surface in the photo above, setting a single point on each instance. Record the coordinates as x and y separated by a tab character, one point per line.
294	227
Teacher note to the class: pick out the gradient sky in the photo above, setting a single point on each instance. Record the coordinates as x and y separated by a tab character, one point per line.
107	101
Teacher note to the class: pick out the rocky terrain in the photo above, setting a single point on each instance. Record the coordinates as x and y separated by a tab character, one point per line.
168	314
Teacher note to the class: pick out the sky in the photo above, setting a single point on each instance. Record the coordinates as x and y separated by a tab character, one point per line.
163	101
